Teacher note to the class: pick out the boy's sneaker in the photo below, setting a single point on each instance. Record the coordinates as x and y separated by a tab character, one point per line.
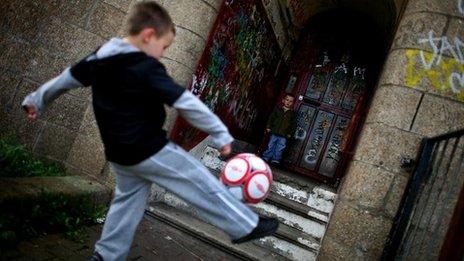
265	227
96	257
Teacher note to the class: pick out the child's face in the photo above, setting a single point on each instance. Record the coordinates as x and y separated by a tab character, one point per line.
155	46
288	101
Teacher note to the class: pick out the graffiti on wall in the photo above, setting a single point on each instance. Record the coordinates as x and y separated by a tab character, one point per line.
461	6
234	77
443	67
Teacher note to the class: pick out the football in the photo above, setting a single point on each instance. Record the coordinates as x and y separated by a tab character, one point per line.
247	177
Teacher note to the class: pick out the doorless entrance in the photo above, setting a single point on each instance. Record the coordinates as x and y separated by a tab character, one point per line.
332	74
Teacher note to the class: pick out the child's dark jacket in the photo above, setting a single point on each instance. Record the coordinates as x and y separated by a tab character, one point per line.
282	122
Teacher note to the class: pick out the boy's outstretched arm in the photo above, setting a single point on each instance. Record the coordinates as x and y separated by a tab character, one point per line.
189	107
200	116
37	101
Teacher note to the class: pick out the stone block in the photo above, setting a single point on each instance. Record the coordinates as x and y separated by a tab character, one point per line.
43	65
450	7
87	155
15	53
171	116
24	130
23	18
414	27
187	48
395	194
366	185
194	15
394	70
395	106
215	4
89	124
358	229
106	20
121	4
455	30
180	73
55	142
438	115
384	146
8	86
73	11
107	177
331	250
67	40
66	111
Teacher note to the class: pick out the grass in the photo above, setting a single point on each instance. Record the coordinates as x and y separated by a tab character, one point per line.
17	161
49	212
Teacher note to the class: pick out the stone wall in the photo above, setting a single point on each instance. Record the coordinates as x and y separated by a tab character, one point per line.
420	94
39	38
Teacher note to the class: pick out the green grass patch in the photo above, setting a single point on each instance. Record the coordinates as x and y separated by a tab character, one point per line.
48	213
17	161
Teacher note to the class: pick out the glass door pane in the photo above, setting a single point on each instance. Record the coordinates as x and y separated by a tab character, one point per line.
355	90
317	138
336	86
332	153
317	84
305	115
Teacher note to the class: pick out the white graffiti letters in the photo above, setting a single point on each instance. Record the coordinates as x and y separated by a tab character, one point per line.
456	81
440	46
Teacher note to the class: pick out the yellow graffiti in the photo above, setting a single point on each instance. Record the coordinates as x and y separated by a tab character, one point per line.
444	74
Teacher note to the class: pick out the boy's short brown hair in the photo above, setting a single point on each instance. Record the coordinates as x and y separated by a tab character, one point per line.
149	15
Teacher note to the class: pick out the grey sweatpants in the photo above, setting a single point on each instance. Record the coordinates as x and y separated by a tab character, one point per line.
177	171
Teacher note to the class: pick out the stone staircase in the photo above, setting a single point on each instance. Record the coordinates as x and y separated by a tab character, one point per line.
302	207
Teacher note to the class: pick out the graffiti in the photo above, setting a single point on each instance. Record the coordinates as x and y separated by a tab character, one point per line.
323	124
459	87
443	67
359	71
461	6
235	73
443	76
441	46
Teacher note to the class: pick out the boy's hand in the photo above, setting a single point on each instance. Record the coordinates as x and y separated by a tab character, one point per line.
31	112
226	150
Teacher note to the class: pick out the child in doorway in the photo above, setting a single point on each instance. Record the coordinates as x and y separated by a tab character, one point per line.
129	89
281	126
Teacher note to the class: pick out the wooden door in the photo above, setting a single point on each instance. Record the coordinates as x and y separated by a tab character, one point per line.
329	96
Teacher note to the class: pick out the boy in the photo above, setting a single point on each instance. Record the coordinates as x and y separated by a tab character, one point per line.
281	125
129	89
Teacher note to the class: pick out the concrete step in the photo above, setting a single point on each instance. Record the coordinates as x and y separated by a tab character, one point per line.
318	202
209	233
313	228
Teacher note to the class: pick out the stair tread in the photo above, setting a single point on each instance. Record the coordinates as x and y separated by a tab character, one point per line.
209	233
296	207
291	205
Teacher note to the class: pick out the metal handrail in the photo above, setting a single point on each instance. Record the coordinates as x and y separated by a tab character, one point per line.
429	161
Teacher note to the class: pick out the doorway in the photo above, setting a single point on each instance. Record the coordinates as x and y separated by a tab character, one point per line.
332	74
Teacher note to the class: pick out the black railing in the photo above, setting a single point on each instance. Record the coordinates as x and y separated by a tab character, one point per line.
427	206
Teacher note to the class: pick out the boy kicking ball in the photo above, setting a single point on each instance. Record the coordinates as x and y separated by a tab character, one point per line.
129	89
